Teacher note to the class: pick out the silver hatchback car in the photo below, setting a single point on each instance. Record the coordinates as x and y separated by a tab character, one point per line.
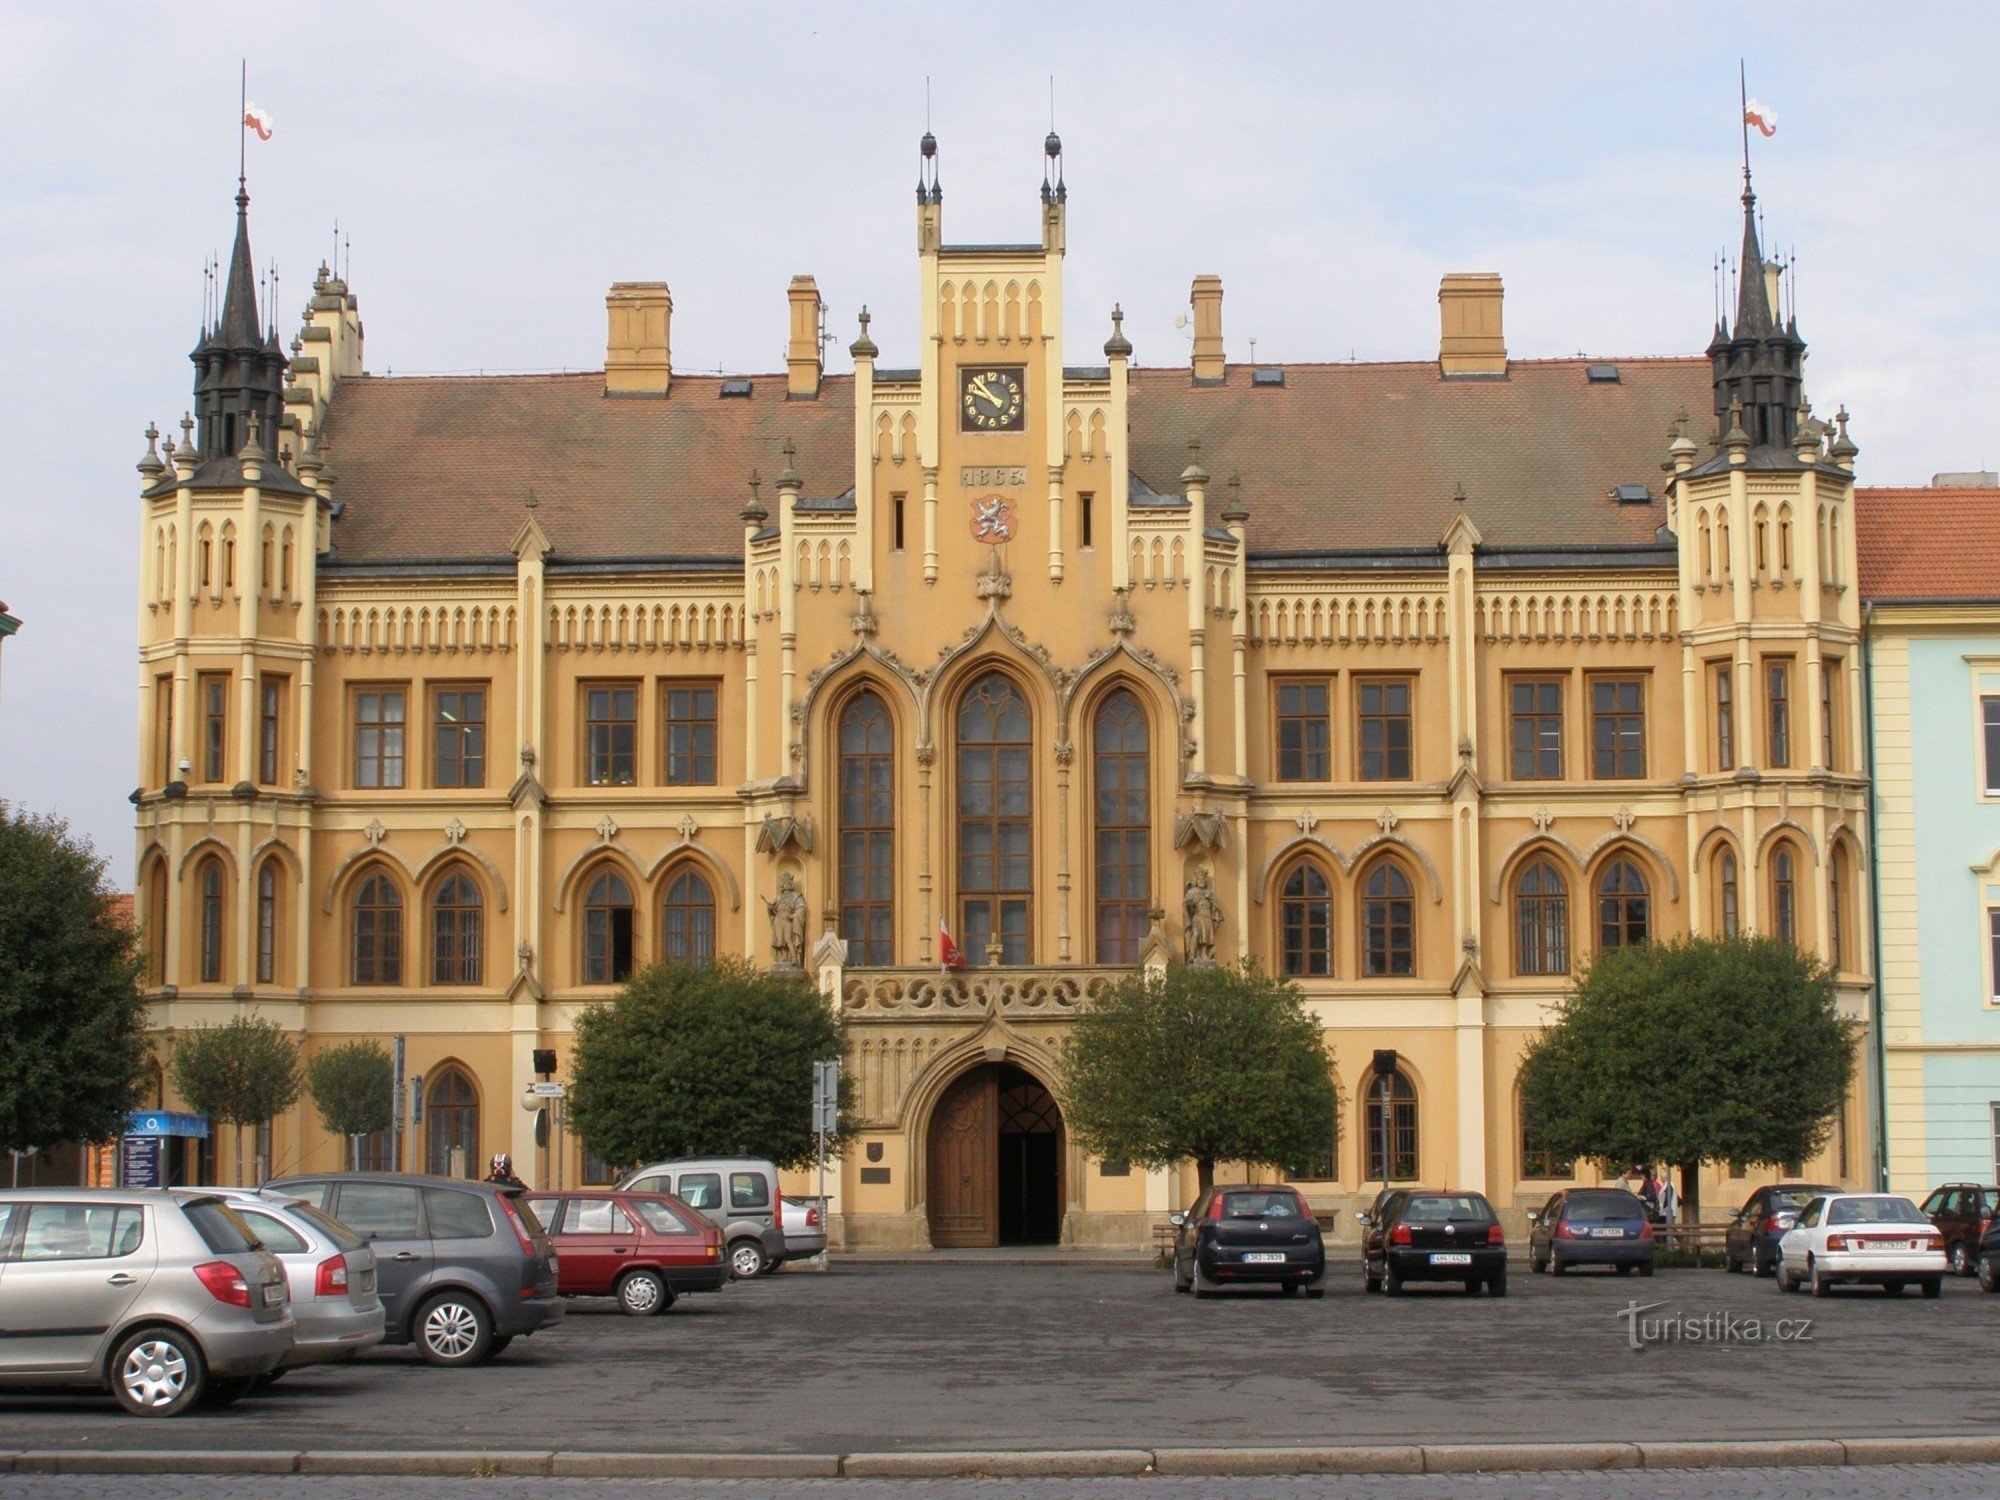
335	1307
166	1299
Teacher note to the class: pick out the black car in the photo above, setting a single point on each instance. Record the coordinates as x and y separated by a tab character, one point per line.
1592	1227
1371	1224
1439	1237
1249	1236
1753	1235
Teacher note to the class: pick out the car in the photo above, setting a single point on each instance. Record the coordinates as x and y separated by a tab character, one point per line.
1438	1236
1751	1240
805	1229
463	1268
165	1299
1986	1259
737	1194
1861	1237
1371	1220
1249	1235
645	1249
1592	1227
329	1268
1961	1212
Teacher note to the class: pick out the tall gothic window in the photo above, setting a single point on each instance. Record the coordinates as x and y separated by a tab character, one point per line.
1541	920
378	931
995	820
1390	1112
687	919
457	931
267	921
1784	894
211	920
451	1123
1731	904
1305	921
1124	828
868	830
607	930
1624	906
1388	922
1836	907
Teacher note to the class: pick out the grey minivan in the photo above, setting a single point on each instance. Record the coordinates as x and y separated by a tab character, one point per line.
166	1300
463	1268
737	1194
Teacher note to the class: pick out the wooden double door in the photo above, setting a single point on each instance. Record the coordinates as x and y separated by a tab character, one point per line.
995	1161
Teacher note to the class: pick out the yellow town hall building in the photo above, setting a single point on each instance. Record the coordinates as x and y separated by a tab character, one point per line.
1421	682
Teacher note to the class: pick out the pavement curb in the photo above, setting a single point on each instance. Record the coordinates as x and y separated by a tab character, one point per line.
1411	1458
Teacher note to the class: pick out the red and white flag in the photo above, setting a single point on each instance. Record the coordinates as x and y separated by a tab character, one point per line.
258	119
949	956
1762	116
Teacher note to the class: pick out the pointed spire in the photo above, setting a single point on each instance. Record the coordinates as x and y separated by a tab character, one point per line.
1753	302
239	327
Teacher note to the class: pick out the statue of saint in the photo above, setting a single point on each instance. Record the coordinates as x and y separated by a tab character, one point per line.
1204	917
788	924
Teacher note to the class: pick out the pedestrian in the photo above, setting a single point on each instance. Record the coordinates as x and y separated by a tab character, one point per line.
1670	1200
1649	1193
502	1174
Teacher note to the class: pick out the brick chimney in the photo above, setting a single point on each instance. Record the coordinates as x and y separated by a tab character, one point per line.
802	358
1206	295
637	360
1470	341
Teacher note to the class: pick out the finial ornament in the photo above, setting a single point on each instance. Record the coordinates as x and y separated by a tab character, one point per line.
863	347
150	464
1117	346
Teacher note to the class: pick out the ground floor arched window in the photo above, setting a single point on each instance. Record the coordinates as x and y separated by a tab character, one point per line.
451	1123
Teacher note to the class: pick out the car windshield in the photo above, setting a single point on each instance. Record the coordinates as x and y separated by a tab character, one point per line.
1874	1211
1797	1197
219	1227
530	1220
1597	1208
1440	1209
1263	1205
660	1217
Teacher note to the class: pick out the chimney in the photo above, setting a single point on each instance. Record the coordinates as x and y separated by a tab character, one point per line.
1206	295
1469	311
802	357
637	361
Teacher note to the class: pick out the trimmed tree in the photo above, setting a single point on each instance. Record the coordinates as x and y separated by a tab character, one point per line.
1203	1064
244	1072
1700	1049
353	1087
702	1060
72	1020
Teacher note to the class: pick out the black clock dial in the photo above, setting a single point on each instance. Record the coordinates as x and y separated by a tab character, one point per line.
990	400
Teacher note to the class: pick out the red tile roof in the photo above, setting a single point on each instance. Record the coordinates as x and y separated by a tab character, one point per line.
1928	544
119	906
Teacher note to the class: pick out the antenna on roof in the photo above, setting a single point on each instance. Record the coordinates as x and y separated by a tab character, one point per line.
1052	102
1253	351
927	104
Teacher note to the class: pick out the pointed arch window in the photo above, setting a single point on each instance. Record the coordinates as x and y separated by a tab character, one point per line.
1624	906
1124	827
867	740
1388	922
995	820
607	929
210	878
1784	894
1837	885
1389	1113
1305	921
687	920
451	1123
267	921
1730	906
1541	920
377	951
458	925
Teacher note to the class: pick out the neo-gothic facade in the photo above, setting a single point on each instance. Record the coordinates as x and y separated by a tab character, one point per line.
1418	681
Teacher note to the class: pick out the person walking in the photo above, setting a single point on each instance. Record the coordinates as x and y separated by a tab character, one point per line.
1649	1193
1670	1200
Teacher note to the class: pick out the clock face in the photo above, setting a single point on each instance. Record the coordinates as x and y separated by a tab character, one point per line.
990	400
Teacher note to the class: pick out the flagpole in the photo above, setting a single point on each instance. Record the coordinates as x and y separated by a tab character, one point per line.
1743	112
243	128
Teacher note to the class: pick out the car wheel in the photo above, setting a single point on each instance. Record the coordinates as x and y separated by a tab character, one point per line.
1933	1286
1370	1282
1961	1260
1203	1287
746	1259
1822	1286
1392	1282
1558	1266
1179	1284
158	1372
1988	1273
1624	1269
1315	1292
1730	1263
1759	1266
1290	1289
454	1329
1645	1268
1785	1281
1892	1288
1496	1285
1537	1267
221	1393
642	1293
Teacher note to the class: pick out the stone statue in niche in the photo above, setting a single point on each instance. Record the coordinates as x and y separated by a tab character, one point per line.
1203	910
788	925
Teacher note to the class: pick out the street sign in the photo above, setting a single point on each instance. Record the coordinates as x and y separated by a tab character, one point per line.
826	1096
542	1088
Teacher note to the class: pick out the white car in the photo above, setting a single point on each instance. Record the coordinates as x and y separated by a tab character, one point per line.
1849	1237
330	1269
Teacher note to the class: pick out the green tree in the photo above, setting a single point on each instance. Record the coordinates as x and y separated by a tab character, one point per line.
72	1021
244	1072
353	1087
700	1059
1701	1049
1209	1064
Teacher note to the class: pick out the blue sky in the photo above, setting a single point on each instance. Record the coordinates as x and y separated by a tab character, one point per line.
497	166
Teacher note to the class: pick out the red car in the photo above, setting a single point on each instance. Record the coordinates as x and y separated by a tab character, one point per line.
645	1249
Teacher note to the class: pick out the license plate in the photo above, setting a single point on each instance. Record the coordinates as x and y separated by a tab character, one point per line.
1609	1234
273	1295
1264	1258
1451	1260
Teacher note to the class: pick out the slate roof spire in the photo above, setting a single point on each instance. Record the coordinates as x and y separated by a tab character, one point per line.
1757	364
239	366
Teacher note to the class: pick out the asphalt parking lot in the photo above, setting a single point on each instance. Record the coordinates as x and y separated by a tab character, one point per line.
969	1355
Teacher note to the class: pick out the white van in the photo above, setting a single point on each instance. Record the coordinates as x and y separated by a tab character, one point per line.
737	1194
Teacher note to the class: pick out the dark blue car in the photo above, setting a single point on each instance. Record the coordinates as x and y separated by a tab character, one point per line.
1592	1227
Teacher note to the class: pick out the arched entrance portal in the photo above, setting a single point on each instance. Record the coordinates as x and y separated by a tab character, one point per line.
995	1166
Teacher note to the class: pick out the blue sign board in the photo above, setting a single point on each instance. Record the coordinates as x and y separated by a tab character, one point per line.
139	1161
166	1122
